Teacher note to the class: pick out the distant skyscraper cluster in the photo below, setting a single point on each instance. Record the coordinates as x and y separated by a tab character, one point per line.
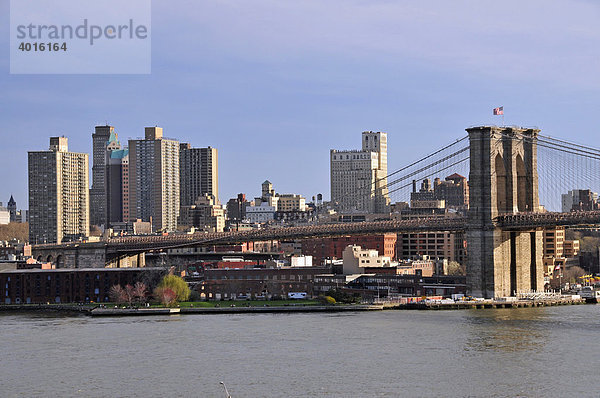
580	200
140	183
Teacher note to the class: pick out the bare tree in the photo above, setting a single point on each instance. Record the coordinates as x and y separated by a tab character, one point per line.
570	275
129	294
95	230
573	274
165	295
454	268
151	277
15	230
139	292
118	294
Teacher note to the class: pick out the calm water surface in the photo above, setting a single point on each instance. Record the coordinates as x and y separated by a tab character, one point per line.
538	352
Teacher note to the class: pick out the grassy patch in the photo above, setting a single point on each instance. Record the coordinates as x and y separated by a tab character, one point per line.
246	303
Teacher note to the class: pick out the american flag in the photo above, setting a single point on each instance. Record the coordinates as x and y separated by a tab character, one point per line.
499	110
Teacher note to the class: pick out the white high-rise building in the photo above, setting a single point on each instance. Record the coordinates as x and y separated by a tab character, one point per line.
154	180
359	177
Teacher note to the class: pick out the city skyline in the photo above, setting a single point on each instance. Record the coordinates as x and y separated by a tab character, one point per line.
330	173
311	90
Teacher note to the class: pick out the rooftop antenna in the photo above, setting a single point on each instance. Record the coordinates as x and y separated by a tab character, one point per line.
225	388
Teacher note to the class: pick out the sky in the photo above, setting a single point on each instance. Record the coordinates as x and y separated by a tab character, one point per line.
274	85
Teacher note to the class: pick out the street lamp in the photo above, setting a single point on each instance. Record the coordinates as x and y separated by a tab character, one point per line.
225	388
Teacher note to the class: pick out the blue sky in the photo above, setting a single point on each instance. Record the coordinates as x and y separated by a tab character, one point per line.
275	84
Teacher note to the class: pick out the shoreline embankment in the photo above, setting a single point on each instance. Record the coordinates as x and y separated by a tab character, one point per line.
78	309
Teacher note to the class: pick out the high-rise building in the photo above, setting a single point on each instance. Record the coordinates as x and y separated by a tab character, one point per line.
359	177
58	194
117	186
104	139
154	180
198	173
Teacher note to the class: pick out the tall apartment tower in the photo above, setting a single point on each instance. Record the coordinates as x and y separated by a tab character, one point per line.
58	194
154	180
104	139
359	177
117	186
198	173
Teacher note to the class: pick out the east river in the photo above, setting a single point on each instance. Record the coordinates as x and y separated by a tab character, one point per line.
529	352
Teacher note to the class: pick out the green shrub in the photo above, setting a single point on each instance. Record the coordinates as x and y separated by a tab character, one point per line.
177	285
327	300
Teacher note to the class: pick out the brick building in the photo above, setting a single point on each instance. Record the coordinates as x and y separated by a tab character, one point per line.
558	251
385	285
442	245
324	248
66	285
257	282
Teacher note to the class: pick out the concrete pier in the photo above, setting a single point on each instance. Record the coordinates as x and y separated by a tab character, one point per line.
232	310
460	305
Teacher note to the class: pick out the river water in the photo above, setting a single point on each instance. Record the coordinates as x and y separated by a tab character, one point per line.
529	352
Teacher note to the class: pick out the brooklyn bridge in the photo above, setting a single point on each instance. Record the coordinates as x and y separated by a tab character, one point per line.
503	226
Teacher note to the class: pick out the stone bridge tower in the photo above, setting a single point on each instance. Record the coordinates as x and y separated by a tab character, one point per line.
503	179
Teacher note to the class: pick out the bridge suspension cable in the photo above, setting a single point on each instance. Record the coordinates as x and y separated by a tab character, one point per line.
563	166
425	167
432	174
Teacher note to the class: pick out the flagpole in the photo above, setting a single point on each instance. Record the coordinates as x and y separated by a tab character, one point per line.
499	111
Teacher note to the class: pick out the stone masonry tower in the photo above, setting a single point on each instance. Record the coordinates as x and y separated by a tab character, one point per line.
503	180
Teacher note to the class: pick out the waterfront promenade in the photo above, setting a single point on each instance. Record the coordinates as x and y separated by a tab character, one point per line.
240	308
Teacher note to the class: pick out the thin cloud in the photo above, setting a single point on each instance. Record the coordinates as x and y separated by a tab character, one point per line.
554	42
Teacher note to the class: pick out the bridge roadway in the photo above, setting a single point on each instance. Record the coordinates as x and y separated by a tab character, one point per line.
547	219
286	233
131	244
126	244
